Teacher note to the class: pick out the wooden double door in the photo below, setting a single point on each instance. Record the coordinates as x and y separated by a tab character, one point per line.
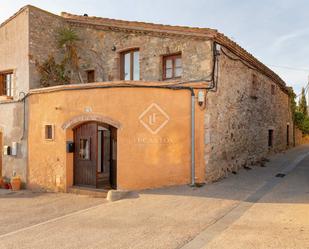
95	155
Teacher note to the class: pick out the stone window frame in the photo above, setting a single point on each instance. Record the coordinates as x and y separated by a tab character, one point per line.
45	132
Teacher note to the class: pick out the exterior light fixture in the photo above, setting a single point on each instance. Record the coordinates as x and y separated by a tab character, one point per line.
217	49
113	48
201	98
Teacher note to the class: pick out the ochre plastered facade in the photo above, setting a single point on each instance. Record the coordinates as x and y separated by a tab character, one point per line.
145	160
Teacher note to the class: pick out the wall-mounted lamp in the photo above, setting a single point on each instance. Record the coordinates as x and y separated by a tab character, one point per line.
217	49
114	48
201	98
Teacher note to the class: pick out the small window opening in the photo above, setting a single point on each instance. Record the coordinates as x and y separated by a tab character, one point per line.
273	89
90	76
270	138
84	149
254	81
254	86
49	132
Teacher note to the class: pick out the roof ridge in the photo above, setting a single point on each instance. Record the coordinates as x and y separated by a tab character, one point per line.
126	22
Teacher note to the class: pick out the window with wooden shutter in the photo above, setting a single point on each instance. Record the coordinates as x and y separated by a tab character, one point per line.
2	88
172	66
6	84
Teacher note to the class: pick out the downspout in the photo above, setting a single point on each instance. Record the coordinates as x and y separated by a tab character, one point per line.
24	114
213	88
192	138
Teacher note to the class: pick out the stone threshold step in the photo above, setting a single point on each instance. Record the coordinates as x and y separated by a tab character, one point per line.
98	193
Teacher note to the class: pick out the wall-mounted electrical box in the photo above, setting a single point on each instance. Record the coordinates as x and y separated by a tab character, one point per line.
6	150
14	149
70	147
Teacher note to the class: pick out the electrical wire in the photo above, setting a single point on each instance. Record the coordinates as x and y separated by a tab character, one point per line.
289	68
237	59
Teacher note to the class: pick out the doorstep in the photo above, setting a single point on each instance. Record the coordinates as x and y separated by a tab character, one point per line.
92	192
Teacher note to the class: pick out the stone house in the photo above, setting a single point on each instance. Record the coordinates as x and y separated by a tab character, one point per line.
152	105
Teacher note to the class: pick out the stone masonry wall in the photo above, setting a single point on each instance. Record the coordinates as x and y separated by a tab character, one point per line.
300	138
97	54
95	50
43	28
238	117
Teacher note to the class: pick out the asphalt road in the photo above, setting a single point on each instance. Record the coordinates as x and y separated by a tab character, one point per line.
253	209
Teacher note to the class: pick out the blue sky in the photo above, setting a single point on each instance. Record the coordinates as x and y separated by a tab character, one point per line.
276	31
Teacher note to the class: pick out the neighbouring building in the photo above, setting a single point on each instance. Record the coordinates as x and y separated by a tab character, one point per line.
149	106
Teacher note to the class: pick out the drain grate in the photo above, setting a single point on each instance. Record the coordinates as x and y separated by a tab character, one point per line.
280	175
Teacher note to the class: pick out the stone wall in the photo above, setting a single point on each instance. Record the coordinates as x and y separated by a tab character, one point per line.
238	117
96	53
300	138
43	28
95	50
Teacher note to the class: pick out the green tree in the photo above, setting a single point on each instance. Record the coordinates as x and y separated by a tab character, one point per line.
67	39
302	105
300	118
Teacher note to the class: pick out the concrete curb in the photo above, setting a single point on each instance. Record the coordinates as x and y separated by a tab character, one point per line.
116	195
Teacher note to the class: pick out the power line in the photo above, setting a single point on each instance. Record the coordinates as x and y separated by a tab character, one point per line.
289	68
306	91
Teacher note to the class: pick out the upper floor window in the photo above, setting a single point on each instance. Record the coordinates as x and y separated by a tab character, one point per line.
130	65
172	66
6	84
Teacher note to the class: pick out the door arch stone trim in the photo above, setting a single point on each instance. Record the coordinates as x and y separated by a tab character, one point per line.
77	120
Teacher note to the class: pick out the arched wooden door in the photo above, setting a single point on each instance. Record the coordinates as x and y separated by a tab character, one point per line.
95	155
85	156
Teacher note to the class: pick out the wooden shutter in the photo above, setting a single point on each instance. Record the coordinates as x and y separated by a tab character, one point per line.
2	84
